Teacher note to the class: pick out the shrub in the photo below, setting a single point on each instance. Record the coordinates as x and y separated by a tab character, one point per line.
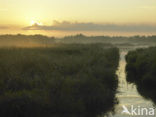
141	70
63	81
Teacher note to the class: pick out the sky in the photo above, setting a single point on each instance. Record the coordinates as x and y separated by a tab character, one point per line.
60	17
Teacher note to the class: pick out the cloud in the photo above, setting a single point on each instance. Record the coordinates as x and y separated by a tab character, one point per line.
3	27
76	26
10	27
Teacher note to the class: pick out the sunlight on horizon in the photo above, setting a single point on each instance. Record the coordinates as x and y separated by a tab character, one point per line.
34	22
27	13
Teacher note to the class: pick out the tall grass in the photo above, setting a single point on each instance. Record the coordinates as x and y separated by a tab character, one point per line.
64	81
141	70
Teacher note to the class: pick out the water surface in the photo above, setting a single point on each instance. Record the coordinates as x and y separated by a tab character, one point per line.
128	94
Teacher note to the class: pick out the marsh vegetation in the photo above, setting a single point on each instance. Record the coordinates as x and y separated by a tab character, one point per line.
62	81
141	71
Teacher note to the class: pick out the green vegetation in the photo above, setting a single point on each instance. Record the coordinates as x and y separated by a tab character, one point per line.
141	70
136	40
44	41
62	81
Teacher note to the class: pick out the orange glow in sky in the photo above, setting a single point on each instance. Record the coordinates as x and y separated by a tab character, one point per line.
23	13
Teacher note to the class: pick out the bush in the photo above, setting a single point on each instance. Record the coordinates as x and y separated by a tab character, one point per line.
141	70
63	81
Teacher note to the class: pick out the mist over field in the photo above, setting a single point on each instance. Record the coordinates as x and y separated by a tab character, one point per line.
21	40
65	71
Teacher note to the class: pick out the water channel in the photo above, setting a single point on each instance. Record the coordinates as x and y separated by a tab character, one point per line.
128	95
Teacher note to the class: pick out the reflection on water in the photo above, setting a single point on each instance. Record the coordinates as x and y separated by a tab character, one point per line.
128	94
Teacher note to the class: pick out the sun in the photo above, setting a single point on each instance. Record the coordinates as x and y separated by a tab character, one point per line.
33	22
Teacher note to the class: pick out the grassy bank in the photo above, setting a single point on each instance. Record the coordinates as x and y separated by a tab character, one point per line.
141	70
63	81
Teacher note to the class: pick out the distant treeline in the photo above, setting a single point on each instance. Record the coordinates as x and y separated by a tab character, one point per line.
108	39
133	38
141	70
62	81
80	38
